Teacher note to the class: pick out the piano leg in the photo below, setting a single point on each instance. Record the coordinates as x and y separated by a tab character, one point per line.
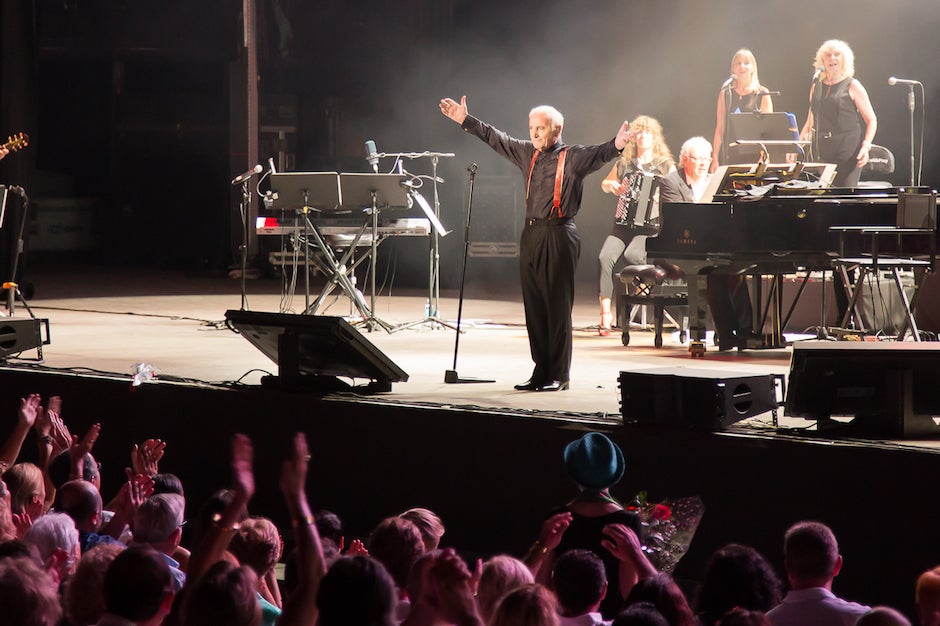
698	303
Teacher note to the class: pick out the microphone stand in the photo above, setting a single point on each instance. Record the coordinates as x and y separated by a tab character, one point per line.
724	151
243	207
434	256
451	376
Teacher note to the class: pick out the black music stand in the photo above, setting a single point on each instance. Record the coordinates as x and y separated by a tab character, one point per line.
761	127
311	190
303	192
373	192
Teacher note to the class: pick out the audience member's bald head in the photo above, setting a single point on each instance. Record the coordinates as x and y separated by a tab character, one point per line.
81	501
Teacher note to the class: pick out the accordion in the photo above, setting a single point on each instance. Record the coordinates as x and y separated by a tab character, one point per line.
638	205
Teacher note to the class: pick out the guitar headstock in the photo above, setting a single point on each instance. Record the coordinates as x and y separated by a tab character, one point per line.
17	141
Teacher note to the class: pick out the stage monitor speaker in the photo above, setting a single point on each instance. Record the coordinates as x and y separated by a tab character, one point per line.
313	352
887	387
695	398
20	335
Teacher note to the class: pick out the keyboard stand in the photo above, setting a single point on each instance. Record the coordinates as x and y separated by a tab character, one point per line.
336	270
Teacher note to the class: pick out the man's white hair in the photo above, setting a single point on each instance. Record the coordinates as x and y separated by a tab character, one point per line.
553	114
52	531
694	142
158	517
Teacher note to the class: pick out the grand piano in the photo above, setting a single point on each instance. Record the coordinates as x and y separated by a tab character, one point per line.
774	232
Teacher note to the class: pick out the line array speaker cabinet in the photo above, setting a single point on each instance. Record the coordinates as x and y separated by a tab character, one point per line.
20	335
694	398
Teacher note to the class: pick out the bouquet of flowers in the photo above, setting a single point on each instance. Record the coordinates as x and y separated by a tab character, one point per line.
668	528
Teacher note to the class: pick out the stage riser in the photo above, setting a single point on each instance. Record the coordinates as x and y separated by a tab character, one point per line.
491	477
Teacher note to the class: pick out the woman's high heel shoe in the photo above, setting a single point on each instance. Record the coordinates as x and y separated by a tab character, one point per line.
607	320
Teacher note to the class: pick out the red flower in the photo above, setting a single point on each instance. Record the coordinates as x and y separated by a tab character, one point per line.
661	512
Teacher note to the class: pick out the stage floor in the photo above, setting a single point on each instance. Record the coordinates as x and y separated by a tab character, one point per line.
108	320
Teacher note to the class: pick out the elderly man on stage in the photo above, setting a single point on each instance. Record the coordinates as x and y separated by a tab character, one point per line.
550	246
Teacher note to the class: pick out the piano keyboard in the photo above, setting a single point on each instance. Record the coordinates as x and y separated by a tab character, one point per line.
347	227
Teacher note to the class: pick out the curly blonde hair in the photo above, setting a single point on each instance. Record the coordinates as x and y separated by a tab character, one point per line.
848	57
660	149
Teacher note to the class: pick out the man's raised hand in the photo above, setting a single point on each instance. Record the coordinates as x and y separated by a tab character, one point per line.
454	110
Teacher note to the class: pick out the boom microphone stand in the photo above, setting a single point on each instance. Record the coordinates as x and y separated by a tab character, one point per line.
451	376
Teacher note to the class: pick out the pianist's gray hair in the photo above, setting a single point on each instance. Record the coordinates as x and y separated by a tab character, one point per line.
553	114
690	144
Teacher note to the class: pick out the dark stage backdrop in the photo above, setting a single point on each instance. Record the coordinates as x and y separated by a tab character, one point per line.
134	104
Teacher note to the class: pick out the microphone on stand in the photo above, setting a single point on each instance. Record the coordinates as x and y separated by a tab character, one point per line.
372	156
728	82
271	167
257	169
817	74
902	81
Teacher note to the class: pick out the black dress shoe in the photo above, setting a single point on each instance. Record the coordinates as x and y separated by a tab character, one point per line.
527	386
553	385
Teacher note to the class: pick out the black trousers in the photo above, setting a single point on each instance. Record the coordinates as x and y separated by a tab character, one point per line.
730	302
548	258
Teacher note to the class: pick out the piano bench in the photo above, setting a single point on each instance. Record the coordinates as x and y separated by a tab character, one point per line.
645	279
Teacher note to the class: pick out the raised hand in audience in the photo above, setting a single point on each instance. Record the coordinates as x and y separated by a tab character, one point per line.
357	547
129	498
30	407
300	608
79	448
22	523
145	458
225	524
553	529
451	592
623	543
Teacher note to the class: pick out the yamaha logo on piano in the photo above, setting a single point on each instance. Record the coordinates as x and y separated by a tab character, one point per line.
686	238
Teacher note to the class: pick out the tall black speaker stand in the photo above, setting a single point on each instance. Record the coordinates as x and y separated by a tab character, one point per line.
451	376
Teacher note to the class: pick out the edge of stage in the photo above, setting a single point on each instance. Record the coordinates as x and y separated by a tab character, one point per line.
486	458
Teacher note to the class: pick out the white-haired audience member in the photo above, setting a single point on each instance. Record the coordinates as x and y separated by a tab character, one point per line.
55	539
159	523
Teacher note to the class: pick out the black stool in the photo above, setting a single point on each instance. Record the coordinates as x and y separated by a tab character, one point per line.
648	281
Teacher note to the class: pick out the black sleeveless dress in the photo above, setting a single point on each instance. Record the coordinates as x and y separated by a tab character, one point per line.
839	130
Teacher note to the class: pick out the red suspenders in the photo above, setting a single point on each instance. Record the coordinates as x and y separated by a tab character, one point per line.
559	174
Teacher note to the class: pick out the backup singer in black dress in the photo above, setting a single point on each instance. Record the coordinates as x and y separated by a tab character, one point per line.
549	248
744	94
840	113
647	152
